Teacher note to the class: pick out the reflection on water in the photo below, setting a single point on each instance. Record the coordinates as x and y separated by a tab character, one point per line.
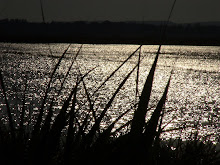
193	97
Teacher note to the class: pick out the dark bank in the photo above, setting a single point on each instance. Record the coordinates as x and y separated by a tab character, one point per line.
107	32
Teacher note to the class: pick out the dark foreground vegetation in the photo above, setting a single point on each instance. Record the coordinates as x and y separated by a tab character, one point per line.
109	32
68	138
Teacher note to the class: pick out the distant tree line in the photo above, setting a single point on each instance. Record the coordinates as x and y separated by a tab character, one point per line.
108	32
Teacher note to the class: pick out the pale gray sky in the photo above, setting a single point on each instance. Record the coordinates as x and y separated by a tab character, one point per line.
113	10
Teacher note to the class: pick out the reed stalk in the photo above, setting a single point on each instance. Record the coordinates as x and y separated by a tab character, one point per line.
11	121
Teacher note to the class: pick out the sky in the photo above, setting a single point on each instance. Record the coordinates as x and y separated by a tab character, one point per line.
185	11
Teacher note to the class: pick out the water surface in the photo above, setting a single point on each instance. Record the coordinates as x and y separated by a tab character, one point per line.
193	97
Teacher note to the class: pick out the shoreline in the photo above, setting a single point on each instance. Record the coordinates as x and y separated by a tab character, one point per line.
146	33
109	42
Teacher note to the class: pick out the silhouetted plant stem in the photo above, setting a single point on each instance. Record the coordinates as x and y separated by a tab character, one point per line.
138	70
11	123
42	11
153	122
21	124
39	119
138	121
116	69
50	113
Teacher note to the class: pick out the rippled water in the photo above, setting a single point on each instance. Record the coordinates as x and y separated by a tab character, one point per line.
193	97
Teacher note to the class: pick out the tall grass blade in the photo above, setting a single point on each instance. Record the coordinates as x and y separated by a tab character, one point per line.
168	19
21	124
3	131
150	130
67	73
42	11
139	115
91	107
57	127
157	137
77	53
117	69
106	133
97	123
138	70
120	128
70	132
46	125
48	139
86	121
11	123
73	117
61	118
39	119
